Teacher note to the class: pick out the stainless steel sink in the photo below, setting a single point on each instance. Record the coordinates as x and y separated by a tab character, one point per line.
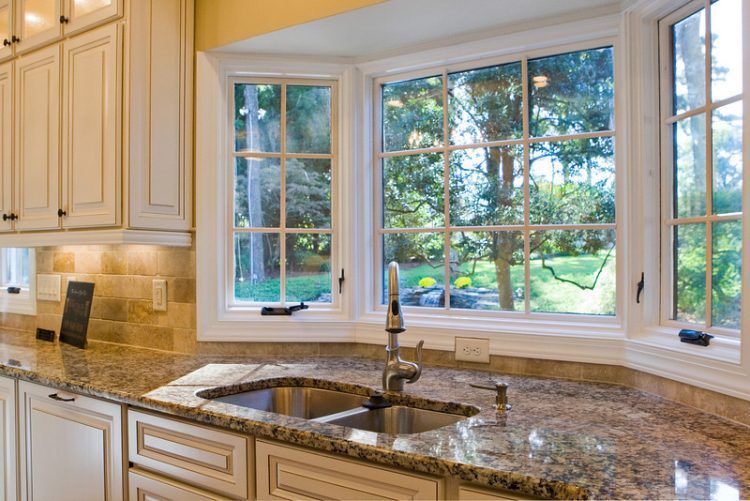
297	401
396	420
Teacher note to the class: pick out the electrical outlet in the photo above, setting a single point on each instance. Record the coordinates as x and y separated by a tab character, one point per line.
471	349
159	295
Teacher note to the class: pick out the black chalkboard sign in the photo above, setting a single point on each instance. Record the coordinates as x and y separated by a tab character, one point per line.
75	322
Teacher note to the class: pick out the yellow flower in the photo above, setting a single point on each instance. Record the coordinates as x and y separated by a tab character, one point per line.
462	282
427	282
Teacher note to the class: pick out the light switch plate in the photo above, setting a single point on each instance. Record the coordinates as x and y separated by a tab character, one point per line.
471	349
48	287
159	294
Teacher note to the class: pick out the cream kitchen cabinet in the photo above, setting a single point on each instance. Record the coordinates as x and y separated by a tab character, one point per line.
91	170
100	127
145	486
6	29
8	440
6	146
37	140
41	22
70	446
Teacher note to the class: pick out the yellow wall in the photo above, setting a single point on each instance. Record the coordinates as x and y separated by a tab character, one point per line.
219	22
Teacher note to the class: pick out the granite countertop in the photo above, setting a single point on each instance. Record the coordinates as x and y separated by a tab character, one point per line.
563	439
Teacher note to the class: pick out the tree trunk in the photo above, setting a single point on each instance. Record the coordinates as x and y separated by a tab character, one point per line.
502	242
694	61
254	205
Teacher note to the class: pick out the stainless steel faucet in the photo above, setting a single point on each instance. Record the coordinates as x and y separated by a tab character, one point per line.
397	370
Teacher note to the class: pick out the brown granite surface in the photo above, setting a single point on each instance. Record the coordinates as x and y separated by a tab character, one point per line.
567	439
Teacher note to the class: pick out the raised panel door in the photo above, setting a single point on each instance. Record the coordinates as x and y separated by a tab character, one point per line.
8	440
6	150
71	446
90	149
37	139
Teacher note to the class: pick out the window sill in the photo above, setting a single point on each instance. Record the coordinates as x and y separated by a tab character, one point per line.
722	349
21	304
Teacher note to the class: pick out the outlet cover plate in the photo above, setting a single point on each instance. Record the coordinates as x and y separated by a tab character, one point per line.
159	295
472	349
48	287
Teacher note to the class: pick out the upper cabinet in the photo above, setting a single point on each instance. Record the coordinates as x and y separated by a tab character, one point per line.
37	131
96	121
38	22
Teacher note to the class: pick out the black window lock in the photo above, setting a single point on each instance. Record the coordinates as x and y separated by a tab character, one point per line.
695	337
14	290
278	310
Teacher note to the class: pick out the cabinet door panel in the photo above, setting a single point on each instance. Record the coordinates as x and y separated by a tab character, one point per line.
160	114
145	486
6	137
37	23
6	28
37	130
90	162
85	14
287	472
8	486
70	450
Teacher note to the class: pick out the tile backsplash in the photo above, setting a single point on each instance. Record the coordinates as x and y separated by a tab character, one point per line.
121	311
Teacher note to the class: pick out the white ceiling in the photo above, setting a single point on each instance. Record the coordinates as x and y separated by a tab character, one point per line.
395	24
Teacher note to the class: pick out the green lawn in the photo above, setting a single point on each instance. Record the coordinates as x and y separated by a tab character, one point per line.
547	293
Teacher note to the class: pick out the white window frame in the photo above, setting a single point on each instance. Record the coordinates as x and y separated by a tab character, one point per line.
220	318
526	228
668	221
282	230
23	303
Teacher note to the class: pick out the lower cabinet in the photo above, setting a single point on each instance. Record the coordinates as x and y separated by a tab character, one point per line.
71	446
286	472
8	448
145	486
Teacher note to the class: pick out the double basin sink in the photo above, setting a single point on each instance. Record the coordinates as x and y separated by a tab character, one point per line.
341	408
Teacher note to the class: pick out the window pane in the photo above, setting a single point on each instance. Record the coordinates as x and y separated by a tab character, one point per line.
487	271
420	257
487	186
689	53
308	193
573	182
726	277
573	272
571	93
308	275
726	49
15	270
257	111
413	191
690	273
485	105
727	158
257	185
308	119
256	267
413	114
690	166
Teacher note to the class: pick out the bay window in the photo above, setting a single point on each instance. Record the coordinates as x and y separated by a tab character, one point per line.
702	166
496	185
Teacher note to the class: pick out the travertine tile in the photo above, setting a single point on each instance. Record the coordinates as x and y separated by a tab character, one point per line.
88	262
176	263
181	315
142	262
181	290
110	308
63	262
141	312
114	262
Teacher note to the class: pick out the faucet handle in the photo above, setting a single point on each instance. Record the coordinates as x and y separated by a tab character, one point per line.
418	364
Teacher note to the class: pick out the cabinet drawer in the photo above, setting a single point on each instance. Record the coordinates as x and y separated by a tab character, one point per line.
145	486
479	493
285	472
196	454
